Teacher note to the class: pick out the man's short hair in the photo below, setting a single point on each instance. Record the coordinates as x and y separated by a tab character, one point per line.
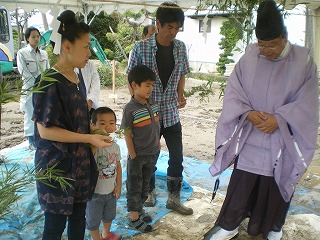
169	12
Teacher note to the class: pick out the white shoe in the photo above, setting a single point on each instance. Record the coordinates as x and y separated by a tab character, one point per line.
274	235
223	234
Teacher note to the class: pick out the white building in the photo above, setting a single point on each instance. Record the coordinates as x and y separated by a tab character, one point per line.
202	46
204	52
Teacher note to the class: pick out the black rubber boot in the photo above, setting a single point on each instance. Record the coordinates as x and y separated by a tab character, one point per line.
174	202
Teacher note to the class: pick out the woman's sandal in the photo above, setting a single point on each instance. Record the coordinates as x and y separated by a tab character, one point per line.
140	225
145	216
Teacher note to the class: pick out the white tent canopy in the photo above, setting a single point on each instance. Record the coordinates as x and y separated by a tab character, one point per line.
91	5
85	6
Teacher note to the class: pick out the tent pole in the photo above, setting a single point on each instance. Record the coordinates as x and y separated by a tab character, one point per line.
316	36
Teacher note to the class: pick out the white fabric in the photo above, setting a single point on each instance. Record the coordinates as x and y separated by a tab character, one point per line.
30	65
93	5
223	234
92	82
55	36
274	235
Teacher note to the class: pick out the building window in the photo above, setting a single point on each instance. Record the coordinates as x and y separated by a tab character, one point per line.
201	23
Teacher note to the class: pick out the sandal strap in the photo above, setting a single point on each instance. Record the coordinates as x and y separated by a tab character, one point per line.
140	225
145	216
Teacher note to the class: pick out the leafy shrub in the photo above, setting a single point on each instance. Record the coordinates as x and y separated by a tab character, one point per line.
51	56
109	53
201	76
205	90
105	73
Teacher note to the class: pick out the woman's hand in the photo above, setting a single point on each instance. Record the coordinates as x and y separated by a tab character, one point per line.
100	141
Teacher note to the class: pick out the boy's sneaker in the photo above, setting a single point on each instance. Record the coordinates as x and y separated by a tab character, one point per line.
151	200
223	234
111	236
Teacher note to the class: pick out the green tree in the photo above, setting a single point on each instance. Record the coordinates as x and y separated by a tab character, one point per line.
128	32
240	24
99	27
231	35
241	10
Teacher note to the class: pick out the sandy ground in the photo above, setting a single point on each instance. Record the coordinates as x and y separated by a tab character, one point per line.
199	121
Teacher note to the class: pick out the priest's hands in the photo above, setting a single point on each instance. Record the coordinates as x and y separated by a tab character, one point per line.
264	122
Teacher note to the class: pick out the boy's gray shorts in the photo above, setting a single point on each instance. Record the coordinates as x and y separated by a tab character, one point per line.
100	208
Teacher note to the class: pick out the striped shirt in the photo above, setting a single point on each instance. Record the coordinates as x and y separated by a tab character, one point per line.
144	52
143	121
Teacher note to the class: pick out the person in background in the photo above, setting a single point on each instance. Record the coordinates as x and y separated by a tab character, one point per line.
167	57
141	126
31	62
102	206
90	80
267	129
62	134
148	31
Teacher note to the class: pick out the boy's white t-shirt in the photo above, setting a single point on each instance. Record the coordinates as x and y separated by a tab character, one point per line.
106	159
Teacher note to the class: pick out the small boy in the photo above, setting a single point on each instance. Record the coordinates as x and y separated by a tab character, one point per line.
140	122
102	207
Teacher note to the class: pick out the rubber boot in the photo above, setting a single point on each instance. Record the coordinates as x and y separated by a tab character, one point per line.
174	202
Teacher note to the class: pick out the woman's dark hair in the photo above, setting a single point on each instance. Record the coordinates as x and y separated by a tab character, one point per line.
170	12
100	110
28	32
141	73
70	29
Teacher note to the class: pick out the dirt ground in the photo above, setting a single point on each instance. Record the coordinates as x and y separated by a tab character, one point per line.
198	121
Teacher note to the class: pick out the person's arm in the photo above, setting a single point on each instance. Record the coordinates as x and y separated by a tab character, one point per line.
27	77
117	189
48	63
181	99
44	61
130	145
58	134
93	84
93	149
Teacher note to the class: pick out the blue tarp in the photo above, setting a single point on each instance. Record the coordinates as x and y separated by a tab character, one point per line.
26	220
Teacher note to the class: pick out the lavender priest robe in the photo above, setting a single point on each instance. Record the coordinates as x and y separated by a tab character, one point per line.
286	87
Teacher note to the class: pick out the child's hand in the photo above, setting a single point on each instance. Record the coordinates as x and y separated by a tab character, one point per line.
133	155
117	192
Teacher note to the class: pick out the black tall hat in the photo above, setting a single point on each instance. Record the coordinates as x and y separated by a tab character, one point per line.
269	21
